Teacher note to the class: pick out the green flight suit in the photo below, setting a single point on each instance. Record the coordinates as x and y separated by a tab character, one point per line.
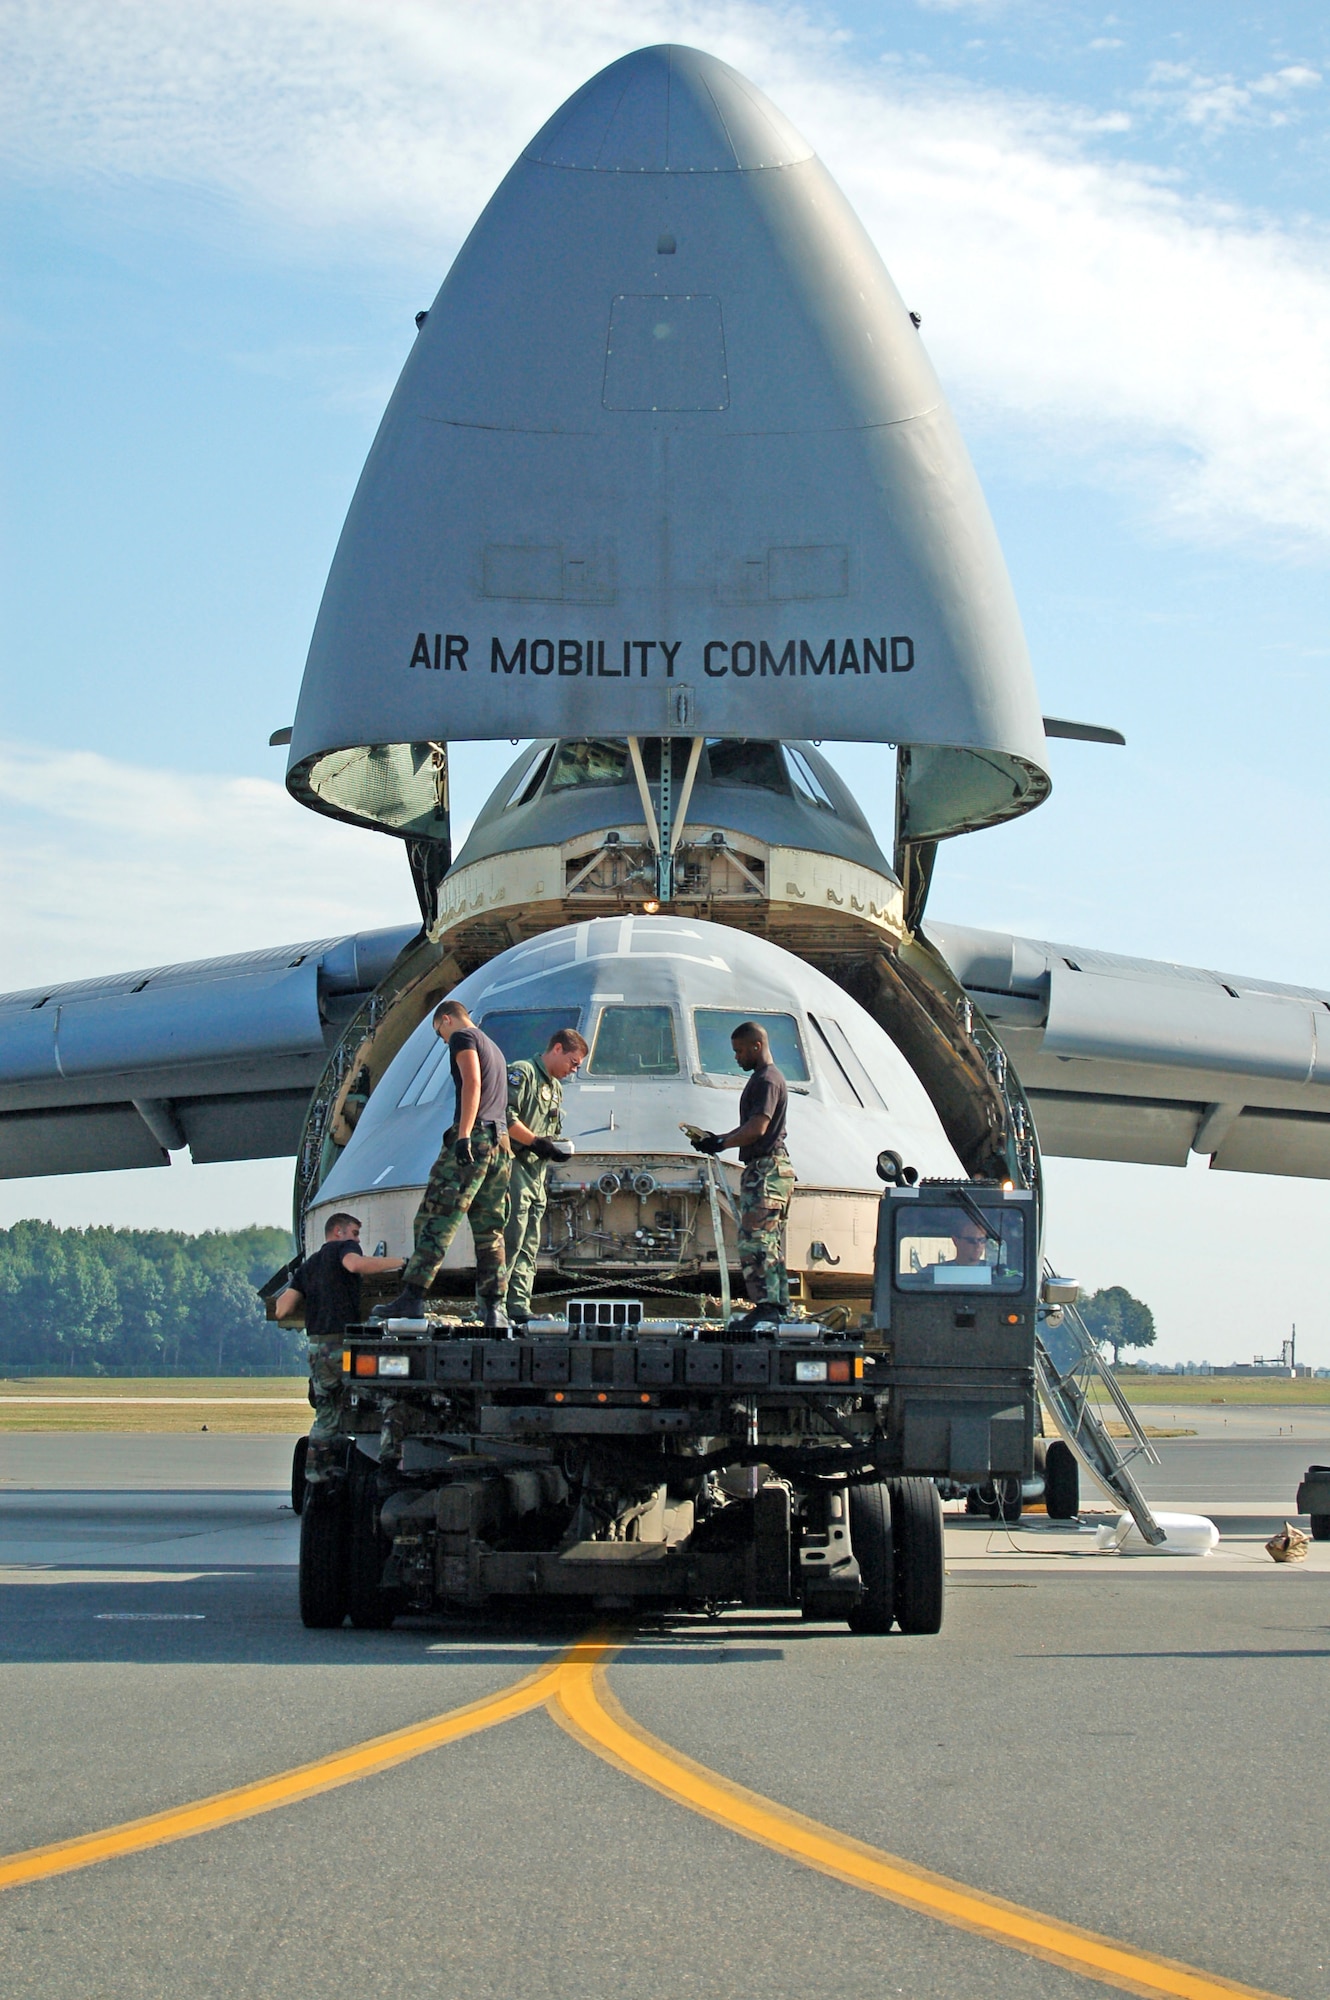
536	1098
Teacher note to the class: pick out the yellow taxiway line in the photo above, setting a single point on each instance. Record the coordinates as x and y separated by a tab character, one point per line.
575	1690
344	1767
582	1703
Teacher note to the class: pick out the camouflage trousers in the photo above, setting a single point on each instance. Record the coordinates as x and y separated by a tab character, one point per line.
765	1188
328	1395
480	1191
522	1236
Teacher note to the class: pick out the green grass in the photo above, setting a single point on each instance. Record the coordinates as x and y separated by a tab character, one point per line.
1198	1390
274	1405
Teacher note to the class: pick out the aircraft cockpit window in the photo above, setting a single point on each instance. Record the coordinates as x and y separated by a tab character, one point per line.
529	783
849	1079
635	1041
715	1051
740	760
807	785
589	760
941	1245
526	1032
428	1080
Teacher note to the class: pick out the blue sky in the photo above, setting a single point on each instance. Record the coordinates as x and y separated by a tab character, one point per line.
218	224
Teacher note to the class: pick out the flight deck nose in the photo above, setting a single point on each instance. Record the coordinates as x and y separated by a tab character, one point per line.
668	458
668	110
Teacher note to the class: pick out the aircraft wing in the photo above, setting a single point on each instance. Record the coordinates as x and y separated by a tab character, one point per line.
220	1056
1131	1059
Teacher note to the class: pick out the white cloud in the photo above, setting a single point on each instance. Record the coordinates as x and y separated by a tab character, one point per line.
1215	103
107	867
1083	303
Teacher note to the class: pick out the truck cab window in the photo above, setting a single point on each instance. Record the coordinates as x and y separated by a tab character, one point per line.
942	1246
635	1041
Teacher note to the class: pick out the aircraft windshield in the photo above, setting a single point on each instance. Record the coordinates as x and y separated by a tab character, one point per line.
635	1041
735	760
715	1025
526	1033
589	760
943	1245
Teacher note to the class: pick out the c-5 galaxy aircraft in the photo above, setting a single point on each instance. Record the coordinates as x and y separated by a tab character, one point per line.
668	488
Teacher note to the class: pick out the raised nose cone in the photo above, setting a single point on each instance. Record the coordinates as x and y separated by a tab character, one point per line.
668	458
668	111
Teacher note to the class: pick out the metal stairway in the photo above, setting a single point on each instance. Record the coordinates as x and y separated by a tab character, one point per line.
1067	1368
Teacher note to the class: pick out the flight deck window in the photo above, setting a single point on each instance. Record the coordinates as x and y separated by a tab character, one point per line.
635	1041
524	1033
529	783
941	1246
849	1079
736	760
807	785
589	760
715	1051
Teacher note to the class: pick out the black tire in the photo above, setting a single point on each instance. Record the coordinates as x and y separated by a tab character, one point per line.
1062	1482
298	1457
916	1532
870	1538
1320	1527
372	1608
974	1506
1010	1500
323	1551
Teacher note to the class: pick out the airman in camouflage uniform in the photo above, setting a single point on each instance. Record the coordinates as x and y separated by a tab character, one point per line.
767	1181
765	1188
535	1120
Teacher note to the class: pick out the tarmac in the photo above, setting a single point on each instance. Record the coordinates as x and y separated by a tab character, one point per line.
1126	1746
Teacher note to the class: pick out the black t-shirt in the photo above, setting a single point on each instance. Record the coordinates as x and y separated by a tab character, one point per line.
764	1092
331	1293
493	1109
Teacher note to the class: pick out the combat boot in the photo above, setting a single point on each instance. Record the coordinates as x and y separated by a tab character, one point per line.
496	1321
409	1304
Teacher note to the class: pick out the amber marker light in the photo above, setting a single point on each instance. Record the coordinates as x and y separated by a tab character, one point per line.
367	1364
346	1361
602	1397
558	1396
858	1367
838	1371
1013	1319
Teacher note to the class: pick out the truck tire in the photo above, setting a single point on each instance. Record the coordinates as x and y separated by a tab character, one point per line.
323	1579
1320	1527
298	1457
870	1538
916	1533
1062	1482
1010	1500
372	1607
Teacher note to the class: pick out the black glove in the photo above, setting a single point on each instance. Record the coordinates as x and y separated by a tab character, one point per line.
707	1142
463	1153
553	1149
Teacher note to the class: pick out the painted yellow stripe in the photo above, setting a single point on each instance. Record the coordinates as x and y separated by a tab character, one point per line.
582	1702
361	1760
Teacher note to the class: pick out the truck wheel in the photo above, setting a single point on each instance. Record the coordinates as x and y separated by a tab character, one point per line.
916	1532
372	1608
973	1503
323	1561
1062	1482
1010	1501
298	1457
870	1538
1320	1527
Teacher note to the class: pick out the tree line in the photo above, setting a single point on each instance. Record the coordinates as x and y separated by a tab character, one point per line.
141	1301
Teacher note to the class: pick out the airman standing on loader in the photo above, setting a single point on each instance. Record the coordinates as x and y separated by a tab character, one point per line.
535	1122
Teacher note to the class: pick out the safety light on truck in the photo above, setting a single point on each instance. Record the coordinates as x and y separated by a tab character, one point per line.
810	1371
394	1364
366	1364
838	1371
